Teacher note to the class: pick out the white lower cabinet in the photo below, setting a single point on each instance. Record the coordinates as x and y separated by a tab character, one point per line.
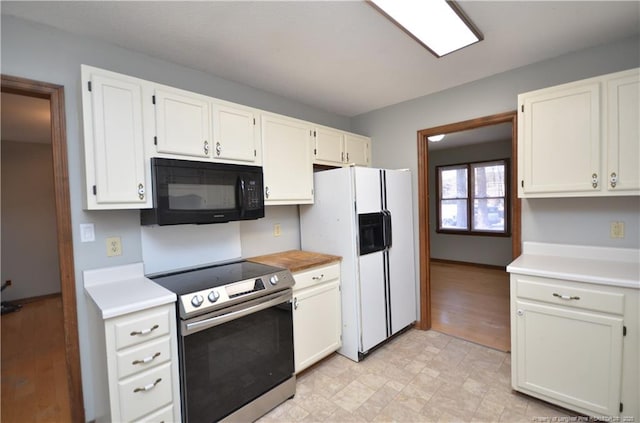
139	352
316	314
570	345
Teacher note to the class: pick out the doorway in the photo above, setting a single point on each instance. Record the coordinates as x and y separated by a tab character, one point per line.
63	234
424	196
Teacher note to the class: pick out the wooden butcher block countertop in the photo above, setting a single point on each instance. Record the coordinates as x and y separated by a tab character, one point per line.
296	260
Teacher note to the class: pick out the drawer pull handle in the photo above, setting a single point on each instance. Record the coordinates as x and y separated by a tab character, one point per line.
318	278
144	331
566	297
146	359
148	387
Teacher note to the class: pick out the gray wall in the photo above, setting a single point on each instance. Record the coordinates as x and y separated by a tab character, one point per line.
42	53
29	236
572	221
492	250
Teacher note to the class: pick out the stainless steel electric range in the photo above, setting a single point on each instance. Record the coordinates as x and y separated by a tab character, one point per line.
235	339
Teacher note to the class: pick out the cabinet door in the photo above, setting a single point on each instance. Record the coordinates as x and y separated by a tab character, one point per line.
234	134
357	150
559	145
329	147
623	133
287	160
316	323
183	125
569	355
114	136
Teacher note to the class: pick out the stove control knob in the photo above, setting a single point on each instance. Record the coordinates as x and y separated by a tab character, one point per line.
273	279
197	300
213	296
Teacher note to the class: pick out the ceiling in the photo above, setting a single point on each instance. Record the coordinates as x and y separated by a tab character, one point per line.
340	56
485	134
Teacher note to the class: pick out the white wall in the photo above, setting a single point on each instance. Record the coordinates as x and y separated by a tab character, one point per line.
492	250
42	53
575	221
29	235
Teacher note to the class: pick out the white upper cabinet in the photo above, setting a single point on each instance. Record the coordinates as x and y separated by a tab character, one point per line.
183	123
287	160
337	148
580	139
357	150
623	132
115	125
329	148
235	136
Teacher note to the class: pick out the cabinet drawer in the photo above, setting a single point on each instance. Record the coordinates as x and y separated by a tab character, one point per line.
569	295
161	416
142	357
143	393
316	275
141	327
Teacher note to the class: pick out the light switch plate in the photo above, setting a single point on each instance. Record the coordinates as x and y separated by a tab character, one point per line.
87	232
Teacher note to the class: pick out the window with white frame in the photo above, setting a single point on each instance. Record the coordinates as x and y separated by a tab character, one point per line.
473	198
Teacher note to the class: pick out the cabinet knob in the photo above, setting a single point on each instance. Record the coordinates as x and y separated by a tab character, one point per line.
318	278
295	303
520	312
218	148
141	191
594	180
613	180
206	147
266	192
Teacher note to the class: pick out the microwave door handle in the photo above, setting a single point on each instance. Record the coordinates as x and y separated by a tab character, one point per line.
387	231
241	196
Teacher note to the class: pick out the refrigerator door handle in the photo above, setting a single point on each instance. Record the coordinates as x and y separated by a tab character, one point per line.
387	233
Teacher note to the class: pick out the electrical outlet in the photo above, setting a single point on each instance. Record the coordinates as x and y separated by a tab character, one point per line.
277	231
114	246
617	230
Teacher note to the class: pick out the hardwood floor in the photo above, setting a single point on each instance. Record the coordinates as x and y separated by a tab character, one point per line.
34	370
472	303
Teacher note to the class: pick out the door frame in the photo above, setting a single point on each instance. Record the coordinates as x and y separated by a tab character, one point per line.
423	198
55	95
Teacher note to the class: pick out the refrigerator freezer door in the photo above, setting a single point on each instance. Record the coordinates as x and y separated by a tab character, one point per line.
372	301
401	254
367	189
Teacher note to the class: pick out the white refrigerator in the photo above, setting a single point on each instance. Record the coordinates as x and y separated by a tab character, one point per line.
365	215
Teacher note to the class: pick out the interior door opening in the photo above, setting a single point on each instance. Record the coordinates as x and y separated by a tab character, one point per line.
446	301
62	240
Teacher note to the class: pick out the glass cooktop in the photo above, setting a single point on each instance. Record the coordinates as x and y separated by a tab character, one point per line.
199	278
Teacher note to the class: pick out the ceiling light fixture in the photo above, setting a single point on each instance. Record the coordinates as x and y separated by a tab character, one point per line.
436	138
439	25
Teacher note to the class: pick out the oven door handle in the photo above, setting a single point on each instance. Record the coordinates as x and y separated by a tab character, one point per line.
262	304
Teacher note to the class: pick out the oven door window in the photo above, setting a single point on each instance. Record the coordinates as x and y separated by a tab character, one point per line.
227	366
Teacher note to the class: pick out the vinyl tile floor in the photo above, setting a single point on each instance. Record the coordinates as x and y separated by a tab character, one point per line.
420	376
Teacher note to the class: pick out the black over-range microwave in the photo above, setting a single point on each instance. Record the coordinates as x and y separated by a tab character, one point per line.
187	192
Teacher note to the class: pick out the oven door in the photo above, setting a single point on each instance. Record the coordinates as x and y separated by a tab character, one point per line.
232	356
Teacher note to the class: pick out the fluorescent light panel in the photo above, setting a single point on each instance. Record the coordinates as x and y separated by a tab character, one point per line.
434	23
